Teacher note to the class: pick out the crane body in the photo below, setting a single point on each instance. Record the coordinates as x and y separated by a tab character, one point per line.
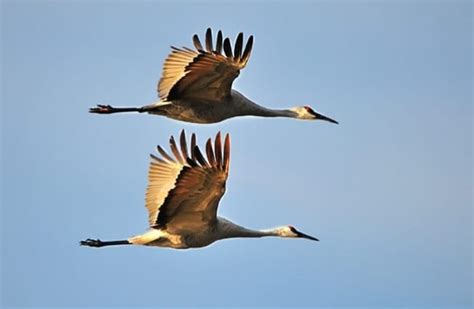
182	198
196	86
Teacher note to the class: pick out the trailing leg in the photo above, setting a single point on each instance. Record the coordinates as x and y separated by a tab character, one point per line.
107	109
97	243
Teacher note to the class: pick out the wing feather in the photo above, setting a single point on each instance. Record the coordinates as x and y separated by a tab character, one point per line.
238	46
161	179
210	153
184	146
193	145
184	196
175	150
203	74
199	157
197	43
227	153
164	154
219	43
209	40
218	149
247	51
227	48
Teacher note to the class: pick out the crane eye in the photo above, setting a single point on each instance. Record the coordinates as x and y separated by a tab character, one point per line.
309	110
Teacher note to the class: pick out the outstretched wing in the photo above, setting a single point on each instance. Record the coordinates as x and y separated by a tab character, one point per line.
184	191
203	74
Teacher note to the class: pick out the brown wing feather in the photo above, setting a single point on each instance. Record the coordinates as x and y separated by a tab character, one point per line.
210	153
238	46
191	204
219	43
184	146
209	40
227	153
218	149
175	151
184	195
203	75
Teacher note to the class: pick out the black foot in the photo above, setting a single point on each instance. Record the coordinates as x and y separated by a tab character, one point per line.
101	109
97	243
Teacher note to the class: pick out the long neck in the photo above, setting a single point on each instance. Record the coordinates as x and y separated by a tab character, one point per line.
246	107
232	230
268	112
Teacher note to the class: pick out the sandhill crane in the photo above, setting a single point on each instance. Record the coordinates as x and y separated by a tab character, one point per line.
182	198
196	86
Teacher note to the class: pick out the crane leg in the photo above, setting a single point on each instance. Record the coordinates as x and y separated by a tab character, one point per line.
97	243
107	109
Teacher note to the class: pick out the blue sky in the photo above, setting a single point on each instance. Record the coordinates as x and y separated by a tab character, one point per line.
388	191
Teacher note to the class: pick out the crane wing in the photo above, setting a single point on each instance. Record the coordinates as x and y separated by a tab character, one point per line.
203	74
184	192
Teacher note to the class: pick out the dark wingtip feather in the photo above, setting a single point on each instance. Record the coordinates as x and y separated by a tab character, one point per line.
238	46
197	43
210	153
218	149
227	48
193	144
227	152
183	144
164	154
248	49
199	157
191	162
175	150
156	158
209	40
219	43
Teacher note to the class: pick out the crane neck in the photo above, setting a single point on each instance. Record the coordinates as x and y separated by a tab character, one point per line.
247	107
231	230
269	112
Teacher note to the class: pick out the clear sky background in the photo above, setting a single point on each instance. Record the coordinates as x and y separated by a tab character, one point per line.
388	191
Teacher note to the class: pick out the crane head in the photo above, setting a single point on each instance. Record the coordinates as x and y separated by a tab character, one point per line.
306	112
291	232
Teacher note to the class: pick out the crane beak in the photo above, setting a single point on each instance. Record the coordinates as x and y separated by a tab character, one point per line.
322	117
302	235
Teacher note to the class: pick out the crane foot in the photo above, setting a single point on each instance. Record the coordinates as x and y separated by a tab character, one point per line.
101	109
97	243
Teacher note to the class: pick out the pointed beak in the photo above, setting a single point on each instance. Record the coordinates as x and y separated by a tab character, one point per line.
302	235
322	117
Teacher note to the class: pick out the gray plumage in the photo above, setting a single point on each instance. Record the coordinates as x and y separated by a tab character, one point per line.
196	85
182	198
